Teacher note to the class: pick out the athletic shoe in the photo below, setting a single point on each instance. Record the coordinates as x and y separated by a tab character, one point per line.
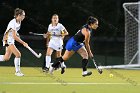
19	74
63	69
45	69
63	66
51	69
86	73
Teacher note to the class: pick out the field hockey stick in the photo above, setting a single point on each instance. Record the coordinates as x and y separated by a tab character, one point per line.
34	53
99	70
36	34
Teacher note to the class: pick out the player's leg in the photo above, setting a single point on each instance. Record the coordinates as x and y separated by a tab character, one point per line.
48	58
62	65
65	57
84	54
17	59
7	55
68	53
58	55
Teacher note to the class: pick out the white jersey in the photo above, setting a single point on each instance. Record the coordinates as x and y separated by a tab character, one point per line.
8	35
56	42
56	29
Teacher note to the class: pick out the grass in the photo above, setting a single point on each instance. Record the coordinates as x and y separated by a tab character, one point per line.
35	81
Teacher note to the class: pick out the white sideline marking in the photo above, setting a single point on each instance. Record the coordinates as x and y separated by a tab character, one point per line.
30	83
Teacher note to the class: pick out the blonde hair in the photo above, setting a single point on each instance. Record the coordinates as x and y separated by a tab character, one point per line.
18	11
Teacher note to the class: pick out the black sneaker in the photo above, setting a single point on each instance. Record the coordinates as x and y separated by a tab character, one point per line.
87	74
45	69
62	70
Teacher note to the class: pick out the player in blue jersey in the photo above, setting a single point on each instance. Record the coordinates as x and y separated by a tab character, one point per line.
79	43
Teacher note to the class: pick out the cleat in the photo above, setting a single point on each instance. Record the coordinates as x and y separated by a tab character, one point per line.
45	69
86	73
19	74
63	67
62	70
51	69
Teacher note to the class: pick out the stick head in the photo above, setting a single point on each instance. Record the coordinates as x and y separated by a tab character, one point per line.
30	32
100	71
39	55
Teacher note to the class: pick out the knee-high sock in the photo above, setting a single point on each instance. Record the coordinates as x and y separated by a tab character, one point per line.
48	61
1	58
57	63
84	64
17	64
63	65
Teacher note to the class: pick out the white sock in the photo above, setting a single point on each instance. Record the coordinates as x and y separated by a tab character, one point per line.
48	61
17	64
63	65
1	58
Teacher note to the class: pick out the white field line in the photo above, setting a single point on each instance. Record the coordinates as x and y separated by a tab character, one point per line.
31	83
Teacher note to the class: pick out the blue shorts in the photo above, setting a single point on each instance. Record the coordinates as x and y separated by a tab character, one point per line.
73	45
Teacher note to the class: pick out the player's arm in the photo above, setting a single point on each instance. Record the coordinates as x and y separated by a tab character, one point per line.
87	39
17	38
64	32
48	35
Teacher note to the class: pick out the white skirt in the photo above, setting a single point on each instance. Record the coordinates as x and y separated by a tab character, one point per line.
56	44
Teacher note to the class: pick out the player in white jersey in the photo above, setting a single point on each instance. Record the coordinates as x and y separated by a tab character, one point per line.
10	36
55	35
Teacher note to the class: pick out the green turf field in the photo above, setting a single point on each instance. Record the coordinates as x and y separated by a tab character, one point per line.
35	81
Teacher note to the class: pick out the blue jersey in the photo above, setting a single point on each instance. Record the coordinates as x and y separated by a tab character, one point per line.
79	37
76	42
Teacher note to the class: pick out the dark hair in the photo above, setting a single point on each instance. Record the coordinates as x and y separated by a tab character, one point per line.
18	11
91	20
